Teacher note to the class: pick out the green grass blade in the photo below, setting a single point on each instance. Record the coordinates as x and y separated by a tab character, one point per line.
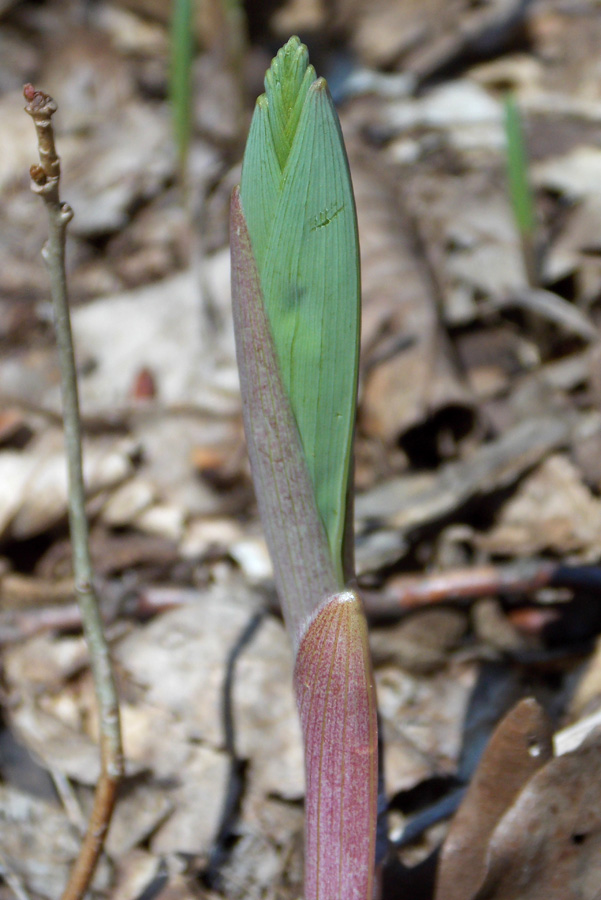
303	229
517	170
180	77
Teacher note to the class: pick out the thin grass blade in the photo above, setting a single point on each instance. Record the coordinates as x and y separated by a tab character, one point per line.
517	170
180	77
520	193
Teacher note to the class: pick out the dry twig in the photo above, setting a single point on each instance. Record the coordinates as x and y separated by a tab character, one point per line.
45	179
513	581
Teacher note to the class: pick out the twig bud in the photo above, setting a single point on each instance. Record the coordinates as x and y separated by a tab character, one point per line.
37	174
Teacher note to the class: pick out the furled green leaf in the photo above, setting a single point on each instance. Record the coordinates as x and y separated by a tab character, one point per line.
298	201
295	292
303	569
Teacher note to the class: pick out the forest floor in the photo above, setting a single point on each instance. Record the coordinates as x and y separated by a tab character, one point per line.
478	453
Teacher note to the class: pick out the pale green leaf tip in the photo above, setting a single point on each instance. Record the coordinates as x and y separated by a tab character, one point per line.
287	82
289	67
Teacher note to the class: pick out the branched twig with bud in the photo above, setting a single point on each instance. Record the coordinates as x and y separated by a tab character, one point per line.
45	180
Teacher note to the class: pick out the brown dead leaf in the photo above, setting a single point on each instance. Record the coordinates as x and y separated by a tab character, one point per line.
421	719
578	243
465	220
142	807
39	845
519	746
386	31
197	802
486	29
152	9
134	874
587	695
23	592
57	745
12	424
553	510
299	17
33	482
547	846
169	339
426	35
43	661
404	386
128	163
401	505
420	643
